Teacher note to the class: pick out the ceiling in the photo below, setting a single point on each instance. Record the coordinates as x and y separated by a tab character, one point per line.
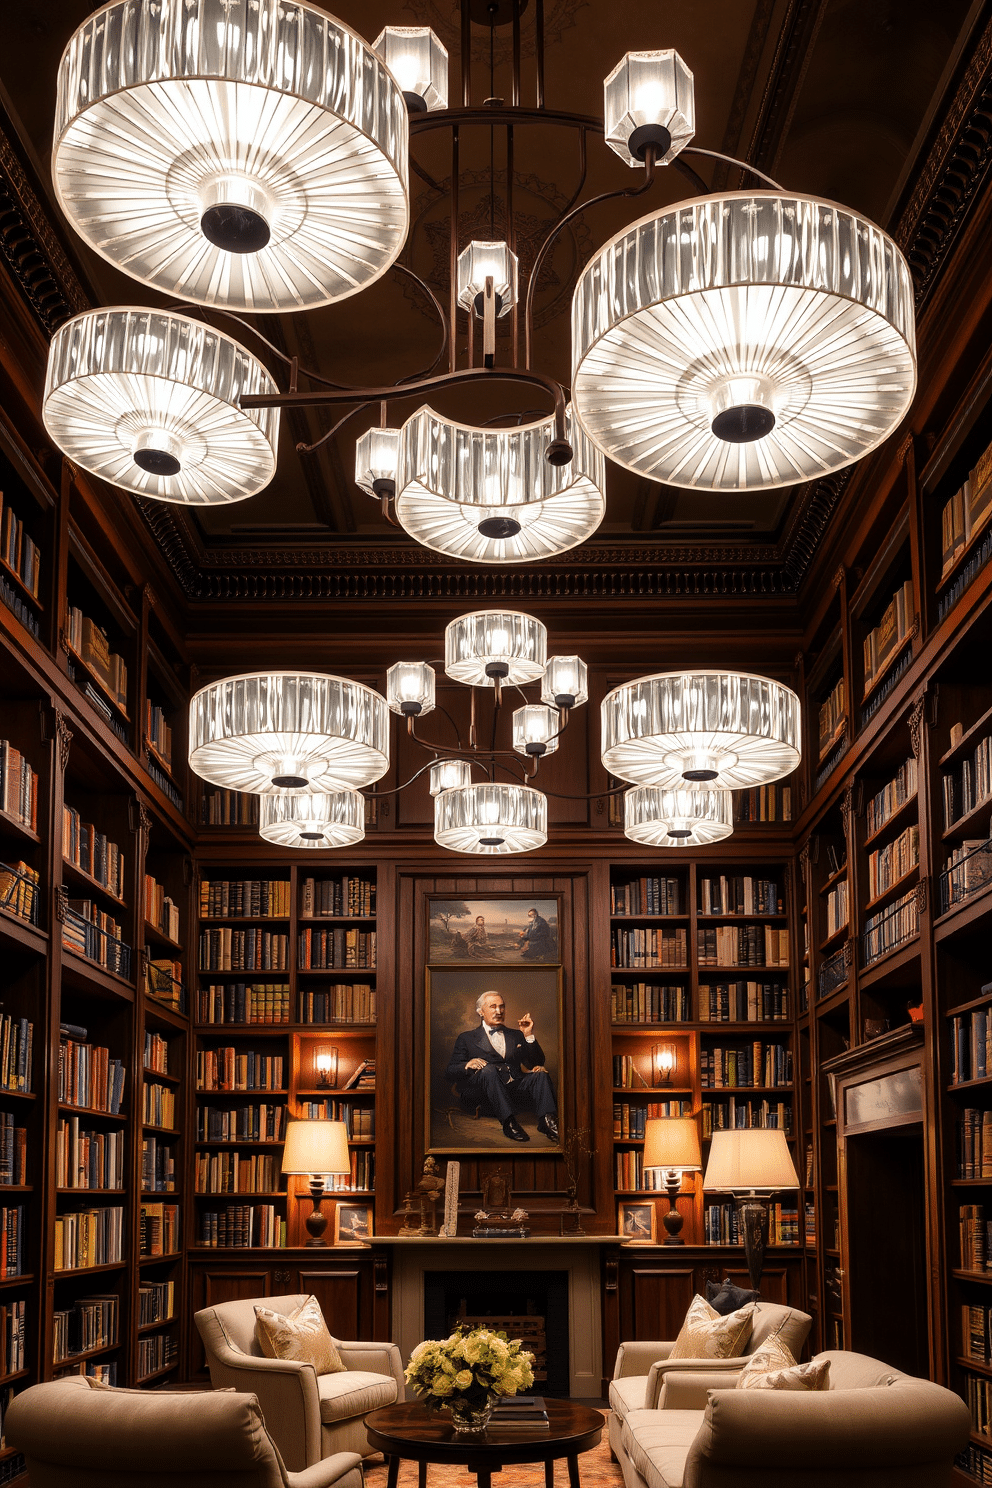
832	97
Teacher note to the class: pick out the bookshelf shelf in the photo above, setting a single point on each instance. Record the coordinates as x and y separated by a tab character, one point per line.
10	824
74	871
160	1323
20	932
14	576
22	1279
965	825
78	1192
153	932
835	937
894	817
64	1272
834	878
120	1116
97	681
161	1075
894	888
92	1353
154	1260
145	1379
966	1007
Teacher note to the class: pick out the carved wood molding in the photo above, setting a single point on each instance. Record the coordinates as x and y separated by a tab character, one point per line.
31	247
922	895
846	807
63	738
916	724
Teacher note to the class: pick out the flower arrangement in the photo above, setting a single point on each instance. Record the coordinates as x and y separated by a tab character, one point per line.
467	1372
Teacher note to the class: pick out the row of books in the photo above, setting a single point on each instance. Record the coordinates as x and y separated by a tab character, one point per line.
88	1159
359	1120
968	783
243	1227
968	870
649	1002
721	1224
976	1333
978	1393
974	1142
965	514
156	1056
344	1002
764	803
227	808
886	802
832	719
626	1075
227	1069
90	643
743	1002
646	896
350	895
361	1179
26	615
164	982
810	1216
90	1323
157	1353
743	945
12	1238
158	1104
888	864
156	1302
258	1122
18	786
971	1044
644	946
88	1076
735	1114
13	1151
739	894
759	1064
93	852
244	1002
158	1166
631	1176
13	1330
89	931
16	1053
158	1229
158	733
232	1172
883	644
243	950
160	910
974	1238
245	898
19	551
329	948
362	1076
20	890
838	907
629	1120
88	1237
891	927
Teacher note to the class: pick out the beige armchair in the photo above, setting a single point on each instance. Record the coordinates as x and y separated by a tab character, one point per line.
642	1368
308	1416
77	1437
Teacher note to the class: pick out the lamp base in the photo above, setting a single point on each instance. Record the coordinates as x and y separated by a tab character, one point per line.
753	1214
673	1220
316	1222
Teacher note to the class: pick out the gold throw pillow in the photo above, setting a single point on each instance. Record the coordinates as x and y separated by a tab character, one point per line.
301	1335
772	1367
707	1335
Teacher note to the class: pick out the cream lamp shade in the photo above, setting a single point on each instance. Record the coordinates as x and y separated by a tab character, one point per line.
316	1147
746	1161
672	1142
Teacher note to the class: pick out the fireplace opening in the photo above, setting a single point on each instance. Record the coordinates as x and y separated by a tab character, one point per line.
532	1305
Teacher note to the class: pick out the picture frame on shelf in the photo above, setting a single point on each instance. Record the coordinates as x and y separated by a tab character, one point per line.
459	1117
637	1221
501	930
353	1225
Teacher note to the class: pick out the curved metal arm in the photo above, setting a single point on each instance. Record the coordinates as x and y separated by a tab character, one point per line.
732	160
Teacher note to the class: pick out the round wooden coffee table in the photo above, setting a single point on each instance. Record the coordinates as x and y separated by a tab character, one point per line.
410	1431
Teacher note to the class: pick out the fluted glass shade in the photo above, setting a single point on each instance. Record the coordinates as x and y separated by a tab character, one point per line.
491	819
488	644
318	819
743	341
450	775
251	153
490	495
646	90
148	400
288	731
479	262
672	1142
677	818
418	62
756	1159
410	688
535	729
566	682
376	455
721	730
316	1147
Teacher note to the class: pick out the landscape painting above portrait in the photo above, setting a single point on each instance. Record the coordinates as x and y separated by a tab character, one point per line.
493	932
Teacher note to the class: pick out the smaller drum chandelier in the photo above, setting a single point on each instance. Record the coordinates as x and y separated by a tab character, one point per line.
491	819
677	818
317	819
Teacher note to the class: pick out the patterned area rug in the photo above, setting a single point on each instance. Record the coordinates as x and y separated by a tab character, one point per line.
595	1471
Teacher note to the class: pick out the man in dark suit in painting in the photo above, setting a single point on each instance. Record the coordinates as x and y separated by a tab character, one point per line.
486	1068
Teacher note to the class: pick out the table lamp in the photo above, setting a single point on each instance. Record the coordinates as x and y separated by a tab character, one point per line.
317	1148
672	1143
751	1165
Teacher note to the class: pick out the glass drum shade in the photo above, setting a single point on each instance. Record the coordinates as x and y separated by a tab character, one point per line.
376	454
491	819
512	645
490	495
319	819
677	818
418	62
310	731
720	730
149	401
645	89
785	323
251	153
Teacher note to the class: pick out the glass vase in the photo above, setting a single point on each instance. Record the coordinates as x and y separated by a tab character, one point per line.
470	1415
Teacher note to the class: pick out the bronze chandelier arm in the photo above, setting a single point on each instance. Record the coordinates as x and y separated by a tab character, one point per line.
728	160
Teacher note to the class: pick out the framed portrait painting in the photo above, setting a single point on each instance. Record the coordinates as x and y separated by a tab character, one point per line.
511	930
494	1060
352	1224
637	1222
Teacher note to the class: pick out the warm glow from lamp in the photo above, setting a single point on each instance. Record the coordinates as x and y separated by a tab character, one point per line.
418	62
672	1143
326	1066
410	688
663	1063
749	1162
479	262
316	1147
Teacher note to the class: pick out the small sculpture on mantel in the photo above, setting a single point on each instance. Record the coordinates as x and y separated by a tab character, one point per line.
494	1221
575	1149
430	1189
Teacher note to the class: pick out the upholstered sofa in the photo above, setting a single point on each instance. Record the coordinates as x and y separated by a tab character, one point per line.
309	1416
873	1428
77	1437
642	1368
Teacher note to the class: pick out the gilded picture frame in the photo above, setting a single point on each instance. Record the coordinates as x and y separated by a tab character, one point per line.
498	930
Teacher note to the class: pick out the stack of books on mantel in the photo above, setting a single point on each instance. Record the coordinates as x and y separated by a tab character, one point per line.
520	1410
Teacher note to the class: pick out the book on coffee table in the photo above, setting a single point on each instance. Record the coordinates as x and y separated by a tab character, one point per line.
520	1410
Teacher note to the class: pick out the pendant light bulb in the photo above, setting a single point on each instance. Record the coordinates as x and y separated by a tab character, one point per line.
418	62
410	688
